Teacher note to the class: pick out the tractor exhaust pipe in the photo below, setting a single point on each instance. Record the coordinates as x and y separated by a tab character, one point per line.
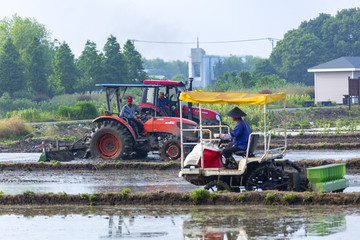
190	104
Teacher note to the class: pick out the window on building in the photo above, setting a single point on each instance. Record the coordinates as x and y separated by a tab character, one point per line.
196	68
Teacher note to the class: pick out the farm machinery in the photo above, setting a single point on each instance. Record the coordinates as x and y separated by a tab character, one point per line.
114	137
255	169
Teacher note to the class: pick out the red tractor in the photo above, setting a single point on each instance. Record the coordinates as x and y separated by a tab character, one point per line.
114	137
172	90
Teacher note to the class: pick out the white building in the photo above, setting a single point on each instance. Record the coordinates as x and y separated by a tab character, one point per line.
201	67
331	78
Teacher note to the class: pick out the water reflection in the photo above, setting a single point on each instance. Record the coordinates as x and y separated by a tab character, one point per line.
156	222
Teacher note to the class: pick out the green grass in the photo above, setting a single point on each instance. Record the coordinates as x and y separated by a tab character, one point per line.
199	195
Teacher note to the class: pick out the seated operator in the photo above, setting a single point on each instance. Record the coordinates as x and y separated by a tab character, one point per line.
240	133
163	102
128	111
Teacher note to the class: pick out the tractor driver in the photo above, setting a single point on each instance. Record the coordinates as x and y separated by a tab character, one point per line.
128	111
240	133
163	102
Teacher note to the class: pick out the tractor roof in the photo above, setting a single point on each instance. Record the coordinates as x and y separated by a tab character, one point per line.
163	82
126	85
199	96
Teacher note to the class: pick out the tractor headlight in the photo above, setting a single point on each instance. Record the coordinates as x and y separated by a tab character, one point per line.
218	117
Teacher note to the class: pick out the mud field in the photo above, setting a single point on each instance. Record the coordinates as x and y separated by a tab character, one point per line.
172	198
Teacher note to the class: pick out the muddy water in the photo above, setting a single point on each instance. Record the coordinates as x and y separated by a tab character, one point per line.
154	222
75	182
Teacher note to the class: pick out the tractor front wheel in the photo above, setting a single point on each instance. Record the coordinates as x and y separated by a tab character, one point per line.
110	141
171	149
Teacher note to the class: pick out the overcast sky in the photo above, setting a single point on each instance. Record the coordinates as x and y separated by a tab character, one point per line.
76	21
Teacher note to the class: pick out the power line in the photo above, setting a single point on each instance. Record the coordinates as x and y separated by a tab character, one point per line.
215	42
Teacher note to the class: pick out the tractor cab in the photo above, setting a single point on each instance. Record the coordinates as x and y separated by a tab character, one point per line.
172	91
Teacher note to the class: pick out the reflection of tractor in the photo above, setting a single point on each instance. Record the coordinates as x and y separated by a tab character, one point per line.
115	137
261	170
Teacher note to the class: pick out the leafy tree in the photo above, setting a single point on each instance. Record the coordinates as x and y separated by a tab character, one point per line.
90	67
229	81
263	68
168	69
22	31
316	41
64	76
297	52
234	63
179	78
11	69
116	68
272	81
35	68
135	63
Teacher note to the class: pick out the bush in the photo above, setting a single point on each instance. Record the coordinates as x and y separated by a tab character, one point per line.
40	98
85	110
65	112
84	97
13	127
311	93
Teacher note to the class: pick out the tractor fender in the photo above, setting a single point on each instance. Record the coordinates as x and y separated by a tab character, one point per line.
117	119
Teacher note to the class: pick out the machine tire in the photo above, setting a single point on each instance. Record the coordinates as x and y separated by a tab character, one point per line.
110	140
216	185
267	177
170	149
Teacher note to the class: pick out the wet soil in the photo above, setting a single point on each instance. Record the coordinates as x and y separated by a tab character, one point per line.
352	165
172	198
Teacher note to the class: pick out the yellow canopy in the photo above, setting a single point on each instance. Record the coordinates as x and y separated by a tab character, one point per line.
199	96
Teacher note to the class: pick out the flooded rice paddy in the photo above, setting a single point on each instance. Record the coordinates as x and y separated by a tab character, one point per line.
159	222
162	222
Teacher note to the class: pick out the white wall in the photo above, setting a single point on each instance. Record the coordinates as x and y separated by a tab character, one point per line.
331	86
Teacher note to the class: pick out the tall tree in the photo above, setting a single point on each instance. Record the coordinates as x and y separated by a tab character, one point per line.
90	67
22	31
11	69
64	77
167	68
115	66
35	68
234	63
135	63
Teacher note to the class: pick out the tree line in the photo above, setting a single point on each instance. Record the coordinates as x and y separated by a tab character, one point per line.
32	64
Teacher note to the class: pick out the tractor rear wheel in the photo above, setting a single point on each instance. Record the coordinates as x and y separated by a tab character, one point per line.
267	177
110	140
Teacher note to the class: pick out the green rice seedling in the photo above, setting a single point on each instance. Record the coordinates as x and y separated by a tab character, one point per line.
199	195
289	198
125	192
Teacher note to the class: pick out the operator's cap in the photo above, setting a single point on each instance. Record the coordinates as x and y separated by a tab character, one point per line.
129	99
161	94
236	112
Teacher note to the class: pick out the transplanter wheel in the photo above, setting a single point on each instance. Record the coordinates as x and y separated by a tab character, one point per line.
217	185
267	177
